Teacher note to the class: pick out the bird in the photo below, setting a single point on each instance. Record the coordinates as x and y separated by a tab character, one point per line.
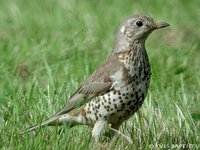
118	87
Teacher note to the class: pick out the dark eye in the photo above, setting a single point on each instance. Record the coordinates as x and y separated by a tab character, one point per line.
139	23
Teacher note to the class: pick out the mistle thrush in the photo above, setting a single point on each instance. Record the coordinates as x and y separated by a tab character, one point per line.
117	89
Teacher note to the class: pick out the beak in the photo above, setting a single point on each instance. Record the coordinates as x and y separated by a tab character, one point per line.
160	25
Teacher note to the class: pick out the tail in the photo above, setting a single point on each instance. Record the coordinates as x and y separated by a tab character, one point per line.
69	119
49	122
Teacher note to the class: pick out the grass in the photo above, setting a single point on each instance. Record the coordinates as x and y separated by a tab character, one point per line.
49	47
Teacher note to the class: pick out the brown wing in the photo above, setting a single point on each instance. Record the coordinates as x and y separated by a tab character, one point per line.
97	84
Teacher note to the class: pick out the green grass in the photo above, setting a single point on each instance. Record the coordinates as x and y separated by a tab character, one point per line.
48	47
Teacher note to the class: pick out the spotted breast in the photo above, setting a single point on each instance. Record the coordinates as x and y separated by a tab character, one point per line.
129	89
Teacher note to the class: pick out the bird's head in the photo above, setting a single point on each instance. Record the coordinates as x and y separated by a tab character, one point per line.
136	29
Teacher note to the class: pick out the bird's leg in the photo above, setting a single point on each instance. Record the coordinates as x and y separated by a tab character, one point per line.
115	133
98	128
114	136
115	127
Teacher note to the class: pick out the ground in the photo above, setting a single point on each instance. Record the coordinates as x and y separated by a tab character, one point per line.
49	47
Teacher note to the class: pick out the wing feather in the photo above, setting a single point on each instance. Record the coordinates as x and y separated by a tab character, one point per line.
97	84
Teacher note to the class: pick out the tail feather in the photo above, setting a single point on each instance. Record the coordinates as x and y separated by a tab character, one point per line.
68	119
49	122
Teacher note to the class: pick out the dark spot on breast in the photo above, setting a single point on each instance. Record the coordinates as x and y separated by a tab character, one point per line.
140	103
133	88
114	92
142	96
139	72
127	111
125	116
115	105
143	79
131	107
119	109
129	103
105	100
136	95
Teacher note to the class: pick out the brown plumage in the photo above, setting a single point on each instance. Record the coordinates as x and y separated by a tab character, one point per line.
117	89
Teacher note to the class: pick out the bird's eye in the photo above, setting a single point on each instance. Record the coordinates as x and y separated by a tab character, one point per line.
139	23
